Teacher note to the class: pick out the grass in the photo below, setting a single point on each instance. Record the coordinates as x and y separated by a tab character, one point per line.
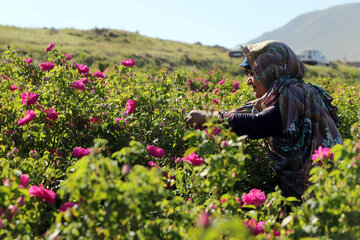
99	48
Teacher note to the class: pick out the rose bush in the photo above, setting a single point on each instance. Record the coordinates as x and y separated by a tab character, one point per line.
106	154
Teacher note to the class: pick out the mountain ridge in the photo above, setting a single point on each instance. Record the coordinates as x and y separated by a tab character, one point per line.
334	31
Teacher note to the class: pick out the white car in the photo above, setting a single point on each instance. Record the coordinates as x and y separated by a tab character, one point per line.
312	57
236	52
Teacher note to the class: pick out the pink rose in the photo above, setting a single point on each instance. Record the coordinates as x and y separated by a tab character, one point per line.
20	201
216	91
99	74
51	114
50	47
82	68
155	151
68	57
128	63
322	154
193	159
24	181
14	87
79	85
66	206
222	82
47	66
236	85
28	60
29	115
29	98
79	152
152	164
46	195
203	220
130	106
254	197
255	228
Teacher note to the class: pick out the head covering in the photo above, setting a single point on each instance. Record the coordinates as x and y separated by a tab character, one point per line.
270	60
309	119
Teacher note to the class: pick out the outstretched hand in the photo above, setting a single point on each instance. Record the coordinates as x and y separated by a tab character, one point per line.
198	117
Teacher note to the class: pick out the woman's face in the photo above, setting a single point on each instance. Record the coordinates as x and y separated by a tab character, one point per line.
258	88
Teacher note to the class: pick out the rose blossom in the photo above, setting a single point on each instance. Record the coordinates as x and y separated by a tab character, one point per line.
155	151
99	74
255	228
193	159
236	85
322	154
29	115
28	60
14	87
128	63
221	82
82	68
79	85
254	197
79	152
47	66
20	201
203	220
51	114
66	206
216	91
50	47
46	195
24	181
68	57
130	106
29	98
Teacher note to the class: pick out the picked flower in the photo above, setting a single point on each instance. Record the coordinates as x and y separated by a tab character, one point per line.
79	152
193	159
29	115
155	151
254	197
29	98
46	195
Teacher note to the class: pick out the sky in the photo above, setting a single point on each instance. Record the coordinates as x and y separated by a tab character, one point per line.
211	22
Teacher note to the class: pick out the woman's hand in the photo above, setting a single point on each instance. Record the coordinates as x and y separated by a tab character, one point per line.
198	117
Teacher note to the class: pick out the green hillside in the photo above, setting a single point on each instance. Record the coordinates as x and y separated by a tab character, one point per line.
99	47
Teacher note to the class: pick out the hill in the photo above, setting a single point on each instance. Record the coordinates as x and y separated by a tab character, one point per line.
334	31
104	47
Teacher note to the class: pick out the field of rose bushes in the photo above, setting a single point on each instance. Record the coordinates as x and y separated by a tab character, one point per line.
86	154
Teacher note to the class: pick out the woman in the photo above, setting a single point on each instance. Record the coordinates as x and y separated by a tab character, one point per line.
294	118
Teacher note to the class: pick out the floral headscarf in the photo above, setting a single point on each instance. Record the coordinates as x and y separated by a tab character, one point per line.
309	119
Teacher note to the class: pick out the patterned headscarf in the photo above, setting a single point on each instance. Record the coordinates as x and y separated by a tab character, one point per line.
309	119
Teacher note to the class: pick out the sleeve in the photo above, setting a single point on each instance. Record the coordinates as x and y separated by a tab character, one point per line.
264	124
